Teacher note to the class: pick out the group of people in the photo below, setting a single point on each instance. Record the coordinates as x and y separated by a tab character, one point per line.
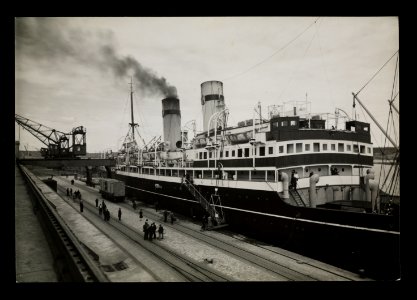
75	195
171	216
102	210
334	171
150	231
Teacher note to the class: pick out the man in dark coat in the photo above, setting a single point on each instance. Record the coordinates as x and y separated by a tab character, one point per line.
161	232
120	214
81	206
96	202
146	229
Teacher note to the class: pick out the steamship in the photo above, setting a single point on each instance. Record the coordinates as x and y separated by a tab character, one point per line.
242	177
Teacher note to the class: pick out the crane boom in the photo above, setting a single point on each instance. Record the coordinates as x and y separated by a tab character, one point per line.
57	142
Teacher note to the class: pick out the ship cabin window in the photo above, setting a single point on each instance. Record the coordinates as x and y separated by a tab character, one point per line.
369	149
201	155
196	156
316	147
205	155
233	153
210	154
270	150
261	151
365	128
290	148
284	123
348	148
293	122
356	148
307	147
299	147
239	152
281	149
226	153
221	154
270	176
275	125
362	149
174	173
340	147
324	147
247	152
333	147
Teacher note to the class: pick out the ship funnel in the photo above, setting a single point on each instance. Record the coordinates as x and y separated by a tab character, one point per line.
212	101
171	115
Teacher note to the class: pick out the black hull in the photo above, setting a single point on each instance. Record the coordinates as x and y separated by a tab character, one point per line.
349	240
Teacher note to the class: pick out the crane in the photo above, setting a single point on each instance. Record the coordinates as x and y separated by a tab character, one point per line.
58	144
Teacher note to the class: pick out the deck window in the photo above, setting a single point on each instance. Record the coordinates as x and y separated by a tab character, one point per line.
201	155
246	152
239	152
333	147
307	147
211	154
226	154
324	147
348	148
261	151
369	149
290	148
233	153
205	155
281	149
270	150
221	154
293	123
316	147
340	147
356	148
299	147
284	123
362	149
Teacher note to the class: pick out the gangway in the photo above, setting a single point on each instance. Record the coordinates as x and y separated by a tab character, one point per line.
209	206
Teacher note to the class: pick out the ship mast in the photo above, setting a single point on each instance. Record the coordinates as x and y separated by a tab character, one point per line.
132	124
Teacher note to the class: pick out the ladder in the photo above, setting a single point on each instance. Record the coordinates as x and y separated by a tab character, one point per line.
209	207
297	197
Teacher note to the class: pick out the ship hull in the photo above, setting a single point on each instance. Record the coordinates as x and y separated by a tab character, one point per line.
350	240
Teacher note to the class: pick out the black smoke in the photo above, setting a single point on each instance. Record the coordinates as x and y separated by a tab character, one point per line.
52	39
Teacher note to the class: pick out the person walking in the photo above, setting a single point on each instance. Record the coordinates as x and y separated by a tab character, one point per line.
67	191
119	214
71	192
141	214
204	223
160	232
96	202
81	206
100	210
165	216
172	217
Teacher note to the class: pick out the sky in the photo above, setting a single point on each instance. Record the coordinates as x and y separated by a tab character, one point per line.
76	71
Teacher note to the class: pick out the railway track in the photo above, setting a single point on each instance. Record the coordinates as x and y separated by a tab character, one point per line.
249	257
187	268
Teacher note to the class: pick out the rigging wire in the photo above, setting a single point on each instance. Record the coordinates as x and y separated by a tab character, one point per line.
376	73
273	54
324	68
298	66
